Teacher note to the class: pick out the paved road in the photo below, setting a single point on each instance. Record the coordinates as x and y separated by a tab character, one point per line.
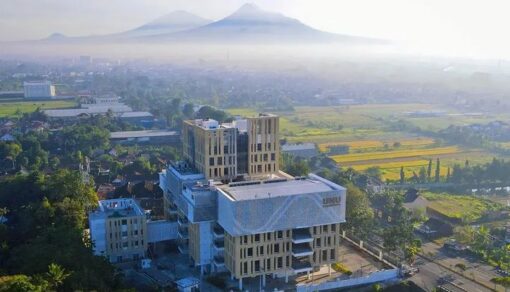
431	275
480	271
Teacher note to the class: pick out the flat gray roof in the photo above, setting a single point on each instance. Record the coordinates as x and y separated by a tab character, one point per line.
136	114
275	189
78	111
141	134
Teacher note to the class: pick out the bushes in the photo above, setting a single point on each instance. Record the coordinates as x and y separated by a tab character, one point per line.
341	268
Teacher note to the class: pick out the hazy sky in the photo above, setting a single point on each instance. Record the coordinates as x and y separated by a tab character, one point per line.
463	27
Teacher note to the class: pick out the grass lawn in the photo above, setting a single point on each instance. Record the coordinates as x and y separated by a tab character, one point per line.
10	108
460	207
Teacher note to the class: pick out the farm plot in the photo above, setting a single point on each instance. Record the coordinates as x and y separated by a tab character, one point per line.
393	155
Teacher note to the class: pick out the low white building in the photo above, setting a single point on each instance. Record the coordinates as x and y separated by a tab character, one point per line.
39	90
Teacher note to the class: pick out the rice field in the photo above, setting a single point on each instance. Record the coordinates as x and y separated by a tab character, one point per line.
389	155
10	108
366	144
364	129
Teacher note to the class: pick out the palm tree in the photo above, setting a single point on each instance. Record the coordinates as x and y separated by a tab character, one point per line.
56	275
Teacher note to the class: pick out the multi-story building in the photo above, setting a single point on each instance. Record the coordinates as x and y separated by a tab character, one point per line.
118	229
245	147
39	89
253	219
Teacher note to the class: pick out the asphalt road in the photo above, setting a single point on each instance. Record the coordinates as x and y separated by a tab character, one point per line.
431	275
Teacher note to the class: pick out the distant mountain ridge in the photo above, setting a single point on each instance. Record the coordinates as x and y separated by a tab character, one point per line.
170	23
248	24
251	24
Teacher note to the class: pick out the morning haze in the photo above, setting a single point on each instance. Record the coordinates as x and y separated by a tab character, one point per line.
227	145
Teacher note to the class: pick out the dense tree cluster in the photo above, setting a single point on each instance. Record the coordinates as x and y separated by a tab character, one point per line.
43	226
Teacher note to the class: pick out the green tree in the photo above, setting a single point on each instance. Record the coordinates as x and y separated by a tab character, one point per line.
402	175
429	170
56	275
359	215
438	171
422	176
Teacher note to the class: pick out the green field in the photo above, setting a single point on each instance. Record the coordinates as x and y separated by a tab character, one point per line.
10	108
467	208
367	130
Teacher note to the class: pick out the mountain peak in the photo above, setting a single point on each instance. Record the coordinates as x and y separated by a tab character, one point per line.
179	17
248	7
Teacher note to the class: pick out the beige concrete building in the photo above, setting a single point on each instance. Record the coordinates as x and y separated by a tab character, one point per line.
119	230
226	151
238	212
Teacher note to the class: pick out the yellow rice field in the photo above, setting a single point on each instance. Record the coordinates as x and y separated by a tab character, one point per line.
362	144
399	154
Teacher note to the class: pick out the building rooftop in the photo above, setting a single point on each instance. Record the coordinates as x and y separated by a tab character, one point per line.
140	134
252	190
294	147
117	208
184	170
136	115
61	113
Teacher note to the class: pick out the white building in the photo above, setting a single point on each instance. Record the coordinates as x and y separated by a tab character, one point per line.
39	89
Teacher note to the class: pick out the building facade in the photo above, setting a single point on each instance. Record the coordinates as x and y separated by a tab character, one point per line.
39	90
118	229
238	212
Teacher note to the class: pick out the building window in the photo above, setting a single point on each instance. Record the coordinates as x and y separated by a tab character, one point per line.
280	234
257	237
269	236
261	251
276	247
225	149
265	156
220	161
250	251
273	156
259	147
245	270
259	168
257	266
245	238
124	222
125	244
332	254
211	161
318	242
124	233
280	262
324	255
287	233
325	228
268	264
333	227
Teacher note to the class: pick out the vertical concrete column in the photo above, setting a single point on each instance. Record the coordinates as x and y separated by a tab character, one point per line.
241	284
308	274
380	255
263	280
329	269
343	233
286	277
361	243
